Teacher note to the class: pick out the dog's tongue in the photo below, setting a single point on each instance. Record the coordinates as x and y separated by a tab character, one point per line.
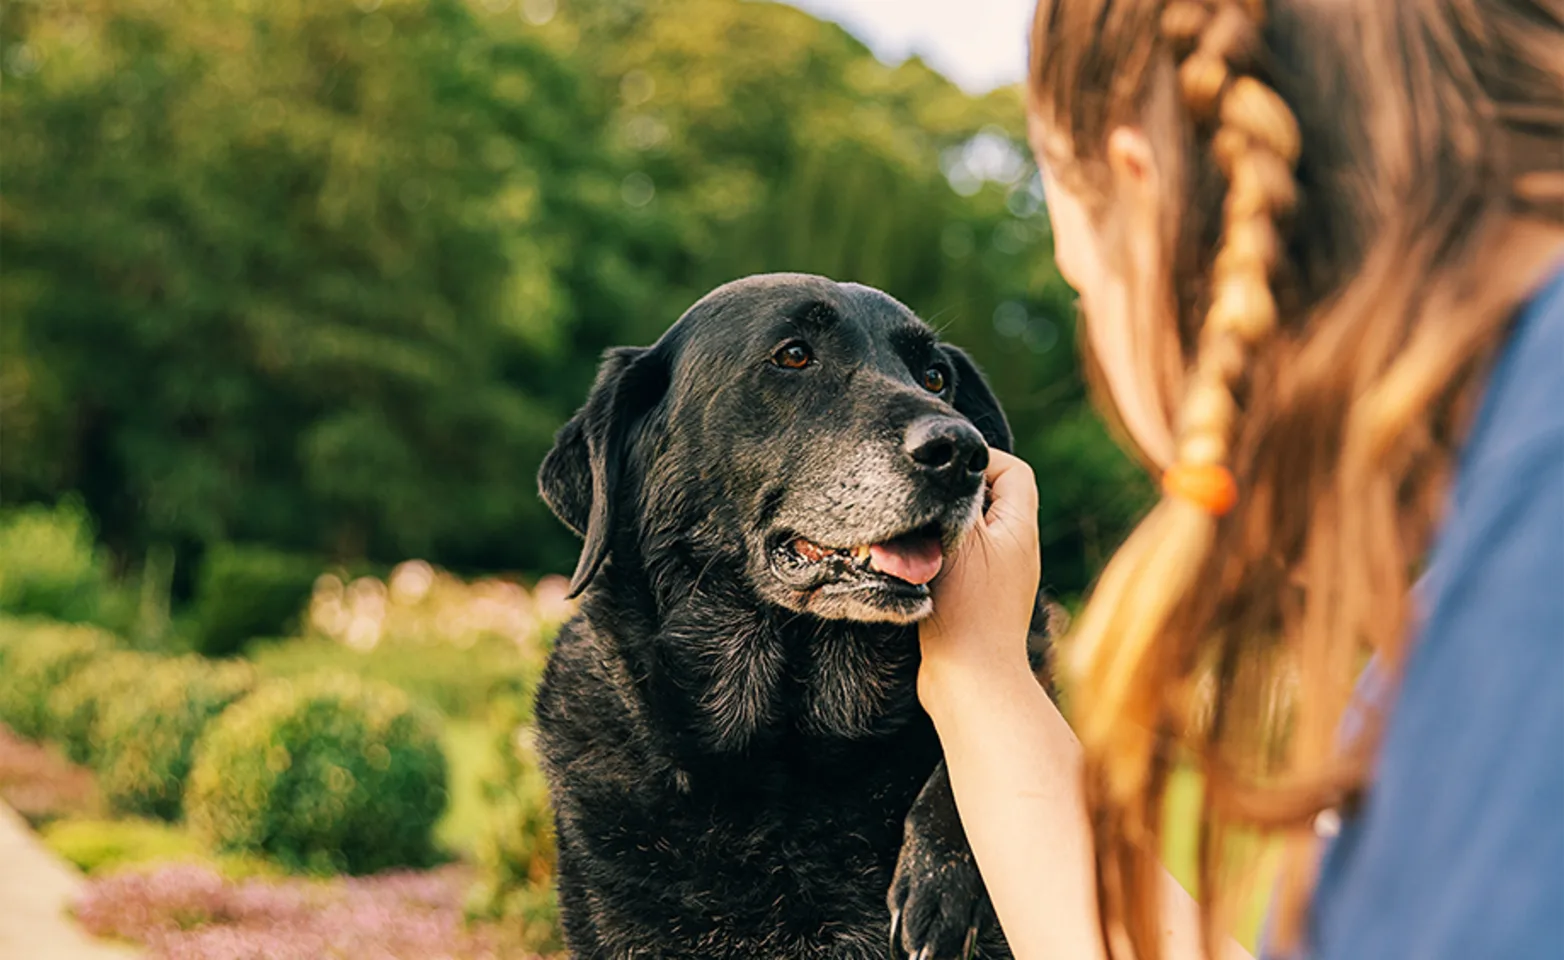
913	559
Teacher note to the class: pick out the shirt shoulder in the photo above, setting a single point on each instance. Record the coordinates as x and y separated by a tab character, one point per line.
1458	851
1524	401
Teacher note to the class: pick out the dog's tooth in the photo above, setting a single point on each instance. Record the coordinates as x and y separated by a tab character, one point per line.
861	553
808	549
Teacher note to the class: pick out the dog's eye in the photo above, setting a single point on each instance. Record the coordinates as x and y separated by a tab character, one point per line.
934	380
793	355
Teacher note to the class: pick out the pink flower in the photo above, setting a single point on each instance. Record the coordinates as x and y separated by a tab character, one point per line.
192	913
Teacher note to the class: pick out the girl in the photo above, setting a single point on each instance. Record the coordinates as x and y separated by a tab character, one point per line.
1318	245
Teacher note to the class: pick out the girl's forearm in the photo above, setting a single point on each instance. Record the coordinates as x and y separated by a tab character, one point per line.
1015	769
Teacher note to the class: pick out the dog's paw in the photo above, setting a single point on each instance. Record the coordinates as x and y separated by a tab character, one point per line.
939	908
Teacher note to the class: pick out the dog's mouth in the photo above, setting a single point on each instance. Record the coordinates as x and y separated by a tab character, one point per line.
913	558
901	565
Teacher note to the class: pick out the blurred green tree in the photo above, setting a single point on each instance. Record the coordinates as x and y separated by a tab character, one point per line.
326	275
291	272
770	140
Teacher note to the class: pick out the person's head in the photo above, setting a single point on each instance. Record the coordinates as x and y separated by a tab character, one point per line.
1298	229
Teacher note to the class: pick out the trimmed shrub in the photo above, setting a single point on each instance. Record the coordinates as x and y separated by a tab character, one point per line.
147	740
12	630
76	705
35	658
330	773
515	851
247	592
49	565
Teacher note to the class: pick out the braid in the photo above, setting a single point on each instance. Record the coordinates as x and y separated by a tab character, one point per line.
1334	356
1116	654
1256	145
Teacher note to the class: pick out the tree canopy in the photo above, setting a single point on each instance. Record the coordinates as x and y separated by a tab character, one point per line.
325	275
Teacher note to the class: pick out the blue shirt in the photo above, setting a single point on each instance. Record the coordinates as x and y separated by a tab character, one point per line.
1458	850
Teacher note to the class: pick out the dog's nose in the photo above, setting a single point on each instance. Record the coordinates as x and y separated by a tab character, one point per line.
950	449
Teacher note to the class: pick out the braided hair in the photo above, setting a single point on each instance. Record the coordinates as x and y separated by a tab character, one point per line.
1318	412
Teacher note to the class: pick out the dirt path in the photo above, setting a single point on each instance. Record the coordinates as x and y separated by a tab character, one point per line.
35	890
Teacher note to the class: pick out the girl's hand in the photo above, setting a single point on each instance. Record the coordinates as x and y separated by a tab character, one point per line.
983	599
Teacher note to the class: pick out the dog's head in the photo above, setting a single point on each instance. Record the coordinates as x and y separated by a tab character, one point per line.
817	431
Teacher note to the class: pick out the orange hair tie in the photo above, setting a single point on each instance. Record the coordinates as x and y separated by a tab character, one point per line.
1208	486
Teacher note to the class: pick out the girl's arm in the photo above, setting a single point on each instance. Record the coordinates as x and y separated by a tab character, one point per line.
1014	763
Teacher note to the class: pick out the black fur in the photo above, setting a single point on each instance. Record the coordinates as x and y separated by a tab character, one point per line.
732	735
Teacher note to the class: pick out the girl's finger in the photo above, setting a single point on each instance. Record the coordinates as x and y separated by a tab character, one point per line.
1011	485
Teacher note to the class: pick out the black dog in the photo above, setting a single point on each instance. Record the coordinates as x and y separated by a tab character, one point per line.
730	725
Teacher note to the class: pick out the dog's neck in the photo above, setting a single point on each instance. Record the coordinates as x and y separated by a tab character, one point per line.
735	675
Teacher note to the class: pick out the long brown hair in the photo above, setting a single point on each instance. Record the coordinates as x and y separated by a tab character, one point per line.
1366	191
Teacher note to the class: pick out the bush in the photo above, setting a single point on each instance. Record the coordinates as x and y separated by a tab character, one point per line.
515	850
35	658
101	846
246	592
49	566
469	767
458	682
76	705
147	740
329	773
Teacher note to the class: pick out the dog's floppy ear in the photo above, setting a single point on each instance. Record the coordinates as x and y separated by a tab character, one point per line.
579	479
975	401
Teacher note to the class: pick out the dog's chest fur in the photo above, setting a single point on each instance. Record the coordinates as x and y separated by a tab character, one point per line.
730	786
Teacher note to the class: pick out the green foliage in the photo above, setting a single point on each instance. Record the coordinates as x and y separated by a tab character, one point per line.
459	682
77	705
289	288
247	592
1181	854
515	850
98	847
148	737
886	176
467	751
35	658
328	773
331	285
1088	494
49	565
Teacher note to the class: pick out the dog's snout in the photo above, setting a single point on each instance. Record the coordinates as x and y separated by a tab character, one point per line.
950	449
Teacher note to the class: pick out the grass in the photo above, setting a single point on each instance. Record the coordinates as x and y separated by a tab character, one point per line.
100	847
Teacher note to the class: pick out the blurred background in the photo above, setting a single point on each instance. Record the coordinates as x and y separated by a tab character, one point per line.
324	277
293	296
